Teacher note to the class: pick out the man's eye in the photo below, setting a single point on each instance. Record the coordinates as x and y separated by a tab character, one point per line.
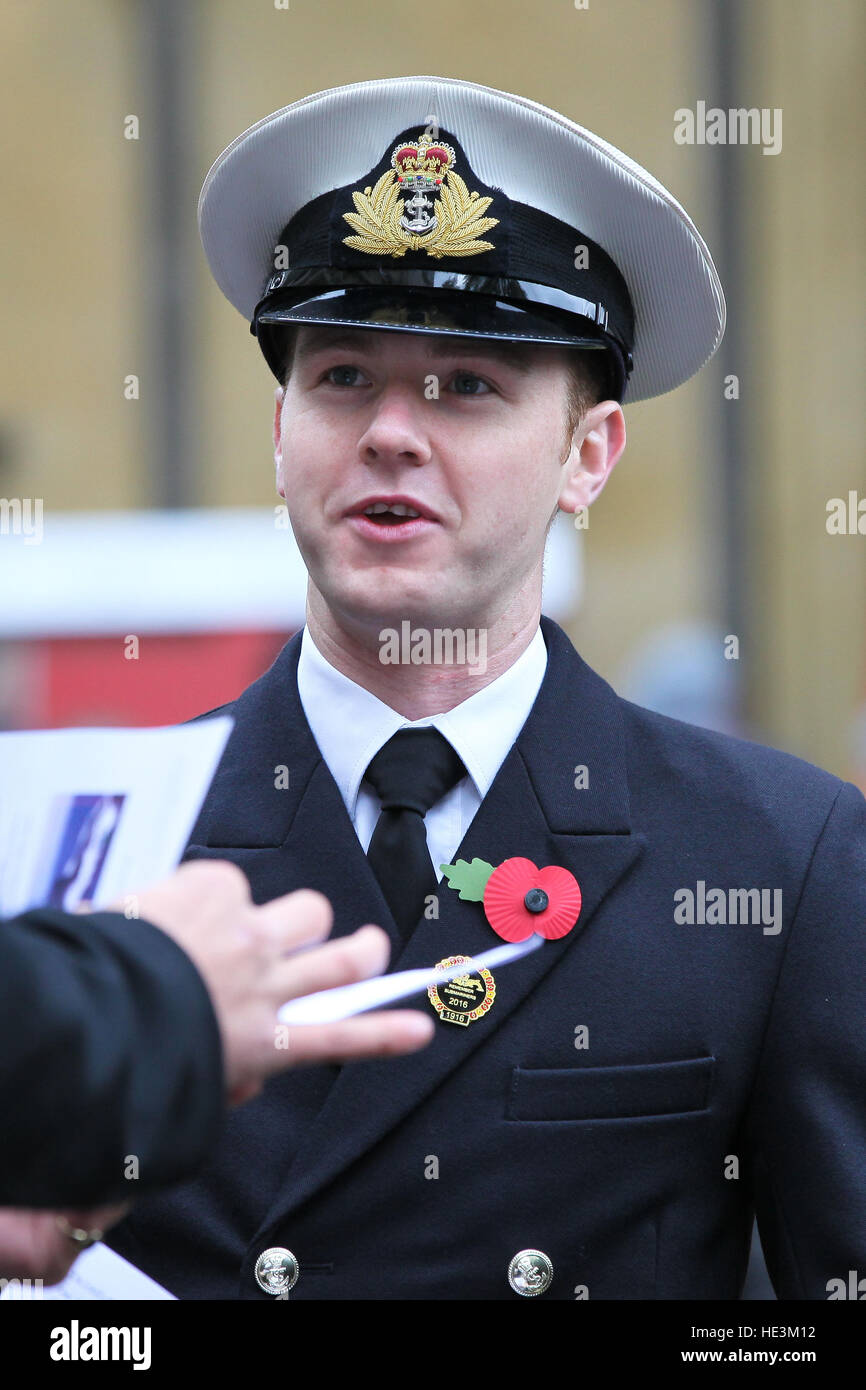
468	384
343	376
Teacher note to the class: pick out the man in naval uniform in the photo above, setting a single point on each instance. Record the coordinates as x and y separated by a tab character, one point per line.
457	289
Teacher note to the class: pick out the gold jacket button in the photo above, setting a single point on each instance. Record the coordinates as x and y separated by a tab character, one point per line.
530	1273
276	1270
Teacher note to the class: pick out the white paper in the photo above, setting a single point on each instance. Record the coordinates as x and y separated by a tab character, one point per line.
330	1005
98	1273
93	815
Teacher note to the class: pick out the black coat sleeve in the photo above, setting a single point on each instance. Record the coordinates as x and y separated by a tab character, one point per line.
808	1113
111	1067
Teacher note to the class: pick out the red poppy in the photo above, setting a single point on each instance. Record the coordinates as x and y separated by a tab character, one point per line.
520	899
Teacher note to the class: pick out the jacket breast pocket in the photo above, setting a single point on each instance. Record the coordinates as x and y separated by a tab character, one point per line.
610	1093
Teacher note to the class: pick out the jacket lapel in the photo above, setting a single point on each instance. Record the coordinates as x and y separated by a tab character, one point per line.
274	808
533	809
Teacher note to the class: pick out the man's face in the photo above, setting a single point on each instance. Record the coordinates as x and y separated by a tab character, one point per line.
469	433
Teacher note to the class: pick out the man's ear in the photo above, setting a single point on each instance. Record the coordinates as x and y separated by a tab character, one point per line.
596	447
278	438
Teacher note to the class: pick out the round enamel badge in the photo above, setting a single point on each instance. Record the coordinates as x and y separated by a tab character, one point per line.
464	999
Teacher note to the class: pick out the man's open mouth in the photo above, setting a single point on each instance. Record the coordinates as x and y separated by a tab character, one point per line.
390	514
391	519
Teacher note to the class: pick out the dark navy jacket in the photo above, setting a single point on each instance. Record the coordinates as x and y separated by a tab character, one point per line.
725	1068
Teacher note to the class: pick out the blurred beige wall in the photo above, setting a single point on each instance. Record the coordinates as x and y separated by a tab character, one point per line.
75	283
809	225
71	270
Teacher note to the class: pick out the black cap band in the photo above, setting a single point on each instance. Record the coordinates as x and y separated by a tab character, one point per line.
436	302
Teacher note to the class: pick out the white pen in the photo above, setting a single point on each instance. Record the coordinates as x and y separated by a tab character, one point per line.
330	1005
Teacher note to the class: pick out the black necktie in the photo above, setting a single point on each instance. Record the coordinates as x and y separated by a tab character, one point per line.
409	774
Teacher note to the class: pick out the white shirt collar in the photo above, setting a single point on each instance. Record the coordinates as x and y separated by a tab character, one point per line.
350	724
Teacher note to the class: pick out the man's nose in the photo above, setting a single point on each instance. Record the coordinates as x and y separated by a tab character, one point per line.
395	430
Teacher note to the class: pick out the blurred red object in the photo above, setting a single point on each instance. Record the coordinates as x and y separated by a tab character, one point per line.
95	681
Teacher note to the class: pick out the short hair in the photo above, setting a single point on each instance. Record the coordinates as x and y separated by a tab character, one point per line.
588	378
588	383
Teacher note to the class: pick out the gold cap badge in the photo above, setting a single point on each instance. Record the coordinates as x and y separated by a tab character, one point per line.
420	204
